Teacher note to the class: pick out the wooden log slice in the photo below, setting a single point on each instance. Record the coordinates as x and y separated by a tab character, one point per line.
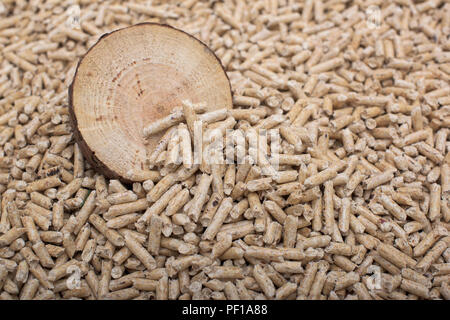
130	78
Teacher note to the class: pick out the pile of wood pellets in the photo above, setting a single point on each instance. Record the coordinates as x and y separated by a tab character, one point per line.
358	207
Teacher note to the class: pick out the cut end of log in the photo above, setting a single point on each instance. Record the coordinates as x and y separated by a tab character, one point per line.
130	78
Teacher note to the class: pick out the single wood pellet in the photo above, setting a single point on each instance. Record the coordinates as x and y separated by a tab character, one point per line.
355	204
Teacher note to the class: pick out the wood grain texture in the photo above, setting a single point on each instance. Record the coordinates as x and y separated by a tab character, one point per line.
130	78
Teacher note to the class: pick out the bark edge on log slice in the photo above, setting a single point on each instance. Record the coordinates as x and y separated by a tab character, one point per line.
107	156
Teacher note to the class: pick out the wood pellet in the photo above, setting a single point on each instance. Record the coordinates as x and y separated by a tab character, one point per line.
354	204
